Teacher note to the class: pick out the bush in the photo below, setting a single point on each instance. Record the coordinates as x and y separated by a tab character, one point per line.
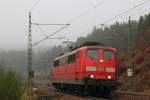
11	86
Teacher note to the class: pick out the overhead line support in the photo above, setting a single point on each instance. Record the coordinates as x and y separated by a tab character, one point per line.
29	56
30	45
130	67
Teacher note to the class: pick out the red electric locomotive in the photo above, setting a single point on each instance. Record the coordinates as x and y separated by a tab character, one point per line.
88	68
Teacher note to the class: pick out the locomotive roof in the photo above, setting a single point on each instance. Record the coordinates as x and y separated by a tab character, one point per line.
85	47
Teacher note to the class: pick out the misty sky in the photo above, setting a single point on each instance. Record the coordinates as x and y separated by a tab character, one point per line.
81	14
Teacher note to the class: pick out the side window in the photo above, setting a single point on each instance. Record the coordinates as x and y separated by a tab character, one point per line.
108	54
56	63
65	59
93	53
71	58
61	61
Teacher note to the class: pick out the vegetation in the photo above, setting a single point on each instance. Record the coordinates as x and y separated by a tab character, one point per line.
11	86
115	35
16	60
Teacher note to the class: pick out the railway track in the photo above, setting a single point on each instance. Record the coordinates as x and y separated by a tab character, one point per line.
127	95
68	97
95	98
47	92
122	96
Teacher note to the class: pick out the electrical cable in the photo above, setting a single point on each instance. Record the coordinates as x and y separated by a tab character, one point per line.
100	3
47	36
50	35
33	7
137	13
42	30
86	11
122	13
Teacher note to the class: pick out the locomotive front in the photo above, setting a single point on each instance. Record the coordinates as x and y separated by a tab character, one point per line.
100	64
88	68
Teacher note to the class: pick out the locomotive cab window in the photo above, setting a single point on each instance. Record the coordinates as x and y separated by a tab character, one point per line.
108	54
93	53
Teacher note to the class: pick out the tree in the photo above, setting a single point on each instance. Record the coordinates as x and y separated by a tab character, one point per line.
141	26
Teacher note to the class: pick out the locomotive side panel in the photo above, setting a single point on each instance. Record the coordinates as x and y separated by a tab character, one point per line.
80	64
66	70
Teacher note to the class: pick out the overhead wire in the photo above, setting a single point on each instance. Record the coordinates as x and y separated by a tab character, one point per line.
138	13
34	5
120	14
50	35
100	3
38	26
44	33
86	11
42	30
95	6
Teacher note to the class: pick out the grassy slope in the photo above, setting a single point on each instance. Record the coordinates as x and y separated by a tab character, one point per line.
141	64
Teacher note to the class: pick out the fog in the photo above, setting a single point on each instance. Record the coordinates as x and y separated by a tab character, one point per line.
81	14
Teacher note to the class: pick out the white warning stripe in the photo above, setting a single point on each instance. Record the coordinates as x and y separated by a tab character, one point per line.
90	68
110	69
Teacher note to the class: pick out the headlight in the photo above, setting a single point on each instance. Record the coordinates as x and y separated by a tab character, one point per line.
109	77
101	61
91	76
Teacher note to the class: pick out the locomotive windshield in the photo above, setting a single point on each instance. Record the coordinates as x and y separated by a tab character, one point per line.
108	54
92	53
